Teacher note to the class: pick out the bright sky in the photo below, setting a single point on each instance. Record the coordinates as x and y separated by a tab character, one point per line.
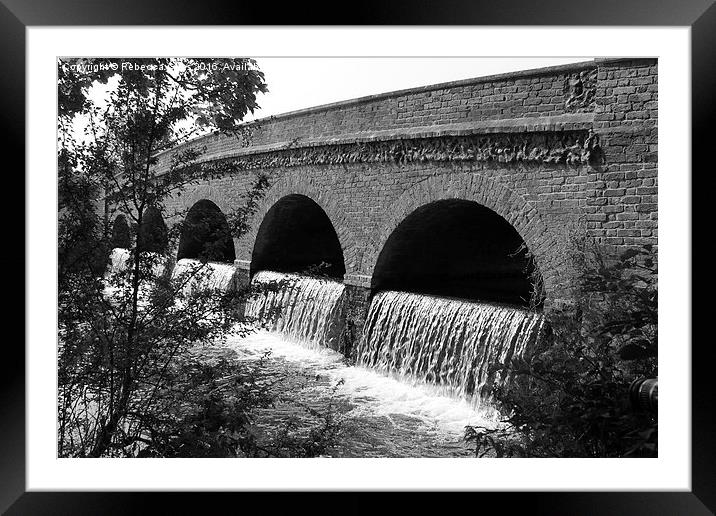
296	83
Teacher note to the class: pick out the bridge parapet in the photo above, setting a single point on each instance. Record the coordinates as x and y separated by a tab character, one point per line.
544	92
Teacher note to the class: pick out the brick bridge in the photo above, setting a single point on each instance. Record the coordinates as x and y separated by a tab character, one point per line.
441	184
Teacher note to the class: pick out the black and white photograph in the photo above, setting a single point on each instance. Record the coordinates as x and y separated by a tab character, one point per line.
268	260
357	257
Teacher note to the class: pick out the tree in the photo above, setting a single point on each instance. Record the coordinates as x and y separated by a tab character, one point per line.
120	332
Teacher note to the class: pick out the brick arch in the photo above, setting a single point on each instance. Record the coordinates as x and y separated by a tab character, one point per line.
488	192
204	192
121	230
181	204
293	183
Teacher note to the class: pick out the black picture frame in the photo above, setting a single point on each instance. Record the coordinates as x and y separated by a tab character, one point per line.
17	15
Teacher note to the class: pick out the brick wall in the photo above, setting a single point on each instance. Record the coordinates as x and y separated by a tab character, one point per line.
611	185
622	204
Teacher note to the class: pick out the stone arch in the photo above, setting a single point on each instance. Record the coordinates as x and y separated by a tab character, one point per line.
121	234
181	204
152	235
487	192
295	182
205	234
206	191
296	235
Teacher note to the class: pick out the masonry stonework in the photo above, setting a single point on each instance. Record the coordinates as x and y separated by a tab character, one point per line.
553	151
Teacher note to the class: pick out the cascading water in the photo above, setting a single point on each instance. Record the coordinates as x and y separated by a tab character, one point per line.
411	344
217	276
118	259
446	342
299	307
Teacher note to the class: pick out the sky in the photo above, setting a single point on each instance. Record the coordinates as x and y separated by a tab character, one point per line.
296	83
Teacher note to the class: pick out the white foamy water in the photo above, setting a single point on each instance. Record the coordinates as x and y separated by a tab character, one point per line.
212	275
116	278
303	309
419	360
196	277
423	361
449	343
119	260
387	417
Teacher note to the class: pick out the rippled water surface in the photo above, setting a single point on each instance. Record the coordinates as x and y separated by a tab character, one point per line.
381	416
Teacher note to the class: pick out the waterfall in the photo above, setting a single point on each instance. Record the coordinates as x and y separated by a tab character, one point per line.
118	259
446	342
301	308
212	275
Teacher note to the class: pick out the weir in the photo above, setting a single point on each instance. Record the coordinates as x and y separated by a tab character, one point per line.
300	308
215	276
448	343
119	259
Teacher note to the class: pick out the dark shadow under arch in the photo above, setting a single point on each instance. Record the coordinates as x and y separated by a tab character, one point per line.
457	248
296	235
152	235
121	236
206	235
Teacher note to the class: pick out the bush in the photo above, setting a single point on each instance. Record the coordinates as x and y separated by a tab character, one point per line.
207	407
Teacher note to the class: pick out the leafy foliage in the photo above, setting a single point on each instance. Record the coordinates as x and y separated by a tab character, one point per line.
121	332
571	399
206	406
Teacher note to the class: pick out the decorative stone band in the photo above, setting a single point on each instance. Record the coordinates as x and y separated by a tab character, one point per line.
358	280
564	139
572	148
242	264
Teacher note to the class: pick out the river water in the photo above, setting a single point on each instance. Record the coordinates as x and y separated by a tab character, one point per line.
424	363
380	416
